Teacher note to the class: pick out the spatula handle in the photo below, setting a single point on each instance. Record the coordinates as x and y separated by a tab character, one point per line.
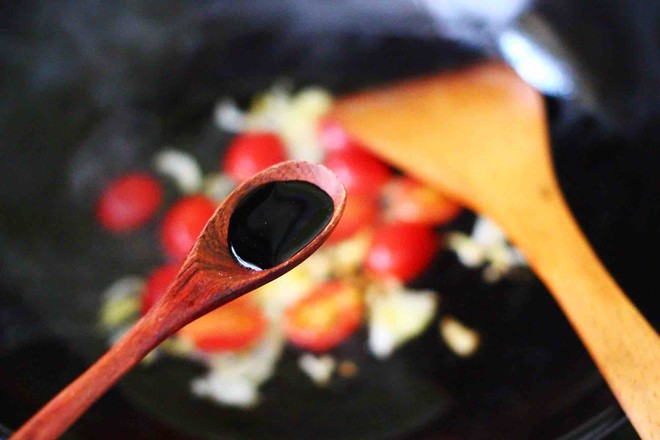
480	134
621	342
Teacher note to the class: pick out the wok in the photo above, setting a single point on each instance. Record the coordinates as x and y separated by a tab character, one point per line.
90	90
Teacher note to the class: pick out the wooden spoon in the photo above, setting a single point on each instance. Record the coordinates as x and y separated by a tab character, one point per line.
480	135
209	277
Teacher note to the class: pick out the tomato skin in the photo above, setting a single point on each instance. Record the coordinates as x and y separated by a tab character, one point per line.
325	317
231	327
157	284
359	212
408	200
333	137
252	152
183	223
401	250
128	202
360	172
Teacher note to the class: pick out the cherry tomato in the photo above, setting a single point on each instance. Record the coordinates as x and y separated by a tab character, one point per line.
232	327
359	171
411	201
183	223
252	152
157	283
333	137
325	317
401	250
360	211
129	201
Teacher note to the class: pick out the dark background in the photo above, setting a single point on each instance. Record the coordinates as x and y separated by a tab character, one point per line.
68	65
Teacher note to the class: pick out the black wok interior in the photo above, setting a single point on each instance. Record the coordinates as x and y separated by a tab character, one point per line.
75	113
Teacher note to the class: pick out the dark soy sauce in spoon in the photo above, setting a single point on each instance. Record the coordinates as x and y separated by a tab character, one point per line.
275	221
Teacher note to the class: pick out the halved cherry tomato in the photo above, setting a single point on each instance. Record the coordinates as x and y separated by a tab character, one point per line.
411	201
360	211
232	327
360	172
401	250
252	152
129	201
333	137
183	223
157	283
325	317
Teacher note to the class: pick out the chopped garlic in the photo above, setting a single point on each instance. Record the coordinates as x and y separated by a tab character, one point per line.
128	285
300	124
294	117
487	233
226	389
396	315
217	186
228	116
460	338
486	245
269	109
469	252
121	301
234	378
319	265
347	256
319	369
280	293
178	346
182	167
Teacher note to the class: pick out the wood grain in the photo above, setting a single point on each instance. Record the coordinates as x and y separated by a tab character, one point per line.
480	135
209	278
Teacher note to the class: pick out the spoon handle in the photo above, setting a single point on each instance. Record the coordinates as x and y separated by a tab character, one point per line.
67	406
621	342
208	278
189	296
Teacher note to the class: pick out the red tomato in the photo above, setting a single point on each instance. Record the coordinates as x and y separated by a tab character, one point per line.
360	211
333	137
401	250
410	201
129	201
324	318
252	152
157	283
360	172
183	223
232	327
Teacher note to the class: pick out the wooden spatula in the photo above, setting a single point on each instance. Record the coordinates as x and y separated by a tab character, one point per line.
480	135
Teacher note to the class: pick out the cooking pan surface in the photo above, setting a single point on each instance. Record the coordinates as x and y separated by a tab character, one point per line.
530	379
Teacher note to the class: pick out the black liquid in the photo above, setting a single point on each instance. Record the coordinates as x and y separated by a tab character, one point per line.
276	220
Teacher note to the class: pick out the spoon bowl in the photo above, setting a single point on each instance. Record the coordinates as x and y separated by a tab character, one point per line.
480	135
209	277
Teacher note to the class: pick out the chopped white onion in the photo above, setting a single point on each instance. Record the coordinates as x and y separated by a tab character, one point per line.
461	339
